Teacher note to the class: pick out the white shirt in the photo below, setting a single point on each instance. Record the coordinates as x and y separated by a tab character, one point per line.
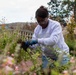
51	36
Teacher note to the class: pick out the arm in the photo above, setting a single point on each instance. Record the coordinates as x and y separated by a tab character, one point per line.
54	37
34	38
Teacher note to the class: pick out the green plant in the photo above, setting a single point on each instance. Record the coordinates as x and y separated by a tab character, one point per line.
70	37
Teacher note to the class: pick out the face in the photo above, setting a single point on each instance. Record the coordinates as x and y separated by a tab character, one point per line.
43	22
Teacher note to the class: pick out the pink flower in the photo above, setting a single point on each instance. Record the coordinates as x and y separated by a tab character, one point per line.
9	62
7	69
74	71
16	68
12	55
8	53
65	72
72	60
34	74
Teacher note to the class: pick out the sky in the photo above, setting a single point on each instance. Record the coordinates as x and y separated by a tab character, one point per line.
19	10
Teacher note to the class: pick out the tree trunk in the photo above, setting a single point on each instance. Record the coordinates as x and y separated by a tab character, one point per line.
75	11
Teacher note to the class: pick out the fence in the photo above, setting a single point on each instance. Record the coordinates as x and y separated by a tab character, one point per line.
23	33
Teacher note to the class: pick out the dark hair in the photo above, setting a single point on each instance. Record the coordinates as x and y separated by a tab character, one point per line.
41	12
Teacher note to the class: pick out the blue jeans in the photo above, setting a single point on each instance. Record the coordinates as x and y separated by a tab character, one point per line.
45	61
65	60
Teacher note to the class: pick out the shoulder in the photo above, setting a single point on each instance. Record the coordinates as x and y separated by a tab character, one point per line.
37	29
54	23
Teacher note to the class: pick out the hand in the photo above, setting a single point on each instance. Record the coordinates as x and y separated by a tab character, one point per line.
26	44
32	42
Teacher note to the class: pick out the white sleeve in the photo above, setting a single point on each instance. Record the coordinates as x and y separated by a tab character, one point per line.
35	34
34	37
54	37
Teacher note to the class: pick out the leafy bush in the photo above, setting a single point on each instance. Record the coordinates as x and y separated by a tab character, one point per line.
14	61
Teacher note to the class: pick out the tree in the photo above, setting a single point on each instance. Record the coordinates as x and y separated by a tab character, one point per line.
61	9
75	10
70	7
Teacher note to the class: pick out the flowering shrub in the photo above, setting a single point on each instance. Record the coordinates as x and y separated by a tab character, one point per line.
15	61
71	35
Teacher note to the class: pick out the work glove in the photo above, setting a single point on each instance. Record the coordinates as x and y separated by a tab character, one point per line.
23	44
26	44
31	42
